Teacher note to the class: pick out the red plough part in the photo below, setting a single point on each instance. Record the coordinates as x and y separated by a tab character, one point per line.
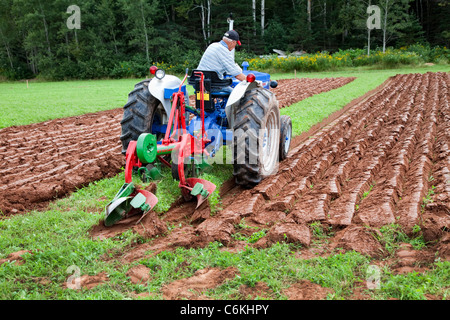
187	146
130	200
177	142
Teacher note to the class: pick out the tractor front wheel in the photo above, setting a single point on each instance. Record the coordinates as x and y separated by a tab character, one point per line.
285	136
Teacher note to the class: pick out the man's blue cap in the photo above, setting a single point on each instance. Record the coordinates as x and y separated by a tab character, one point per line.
233	35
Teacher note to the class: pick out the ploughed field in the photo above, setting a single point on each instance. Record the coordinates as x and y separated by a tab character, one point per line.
44	161
48	160
386	160
383	160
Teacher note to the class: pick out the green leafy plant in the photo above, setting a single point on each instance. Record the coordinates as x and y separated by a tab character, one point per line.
428	198
392	236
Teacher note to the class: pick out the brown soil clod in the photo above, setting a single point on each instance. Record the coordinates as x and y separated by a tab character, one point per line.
306	290
139	274
15	257
193	288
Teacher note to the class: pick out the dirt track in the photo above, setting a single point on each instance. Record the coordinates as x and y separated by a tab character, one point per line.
370	167
44	161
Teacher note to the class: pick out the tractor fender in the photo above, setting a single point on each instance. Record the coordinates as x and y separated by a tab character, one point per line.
235	98
158	86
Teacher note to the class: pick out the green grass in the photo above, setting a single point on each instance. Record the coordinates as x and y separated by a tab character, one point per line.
392	236
59	238
277	266
43	101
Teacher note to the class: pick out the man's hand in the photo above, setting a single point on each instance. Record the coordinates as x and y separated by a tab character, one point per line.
241	77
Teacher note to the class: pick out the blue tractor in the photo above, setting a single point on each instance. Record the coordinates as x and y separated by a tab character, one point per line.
159	127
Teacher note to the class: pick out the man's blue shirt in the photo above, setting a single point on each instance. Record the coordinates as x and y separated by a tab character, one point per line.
218	58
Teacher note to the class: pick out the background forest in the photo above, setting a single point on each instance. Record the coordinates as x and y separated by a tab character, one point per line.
122	38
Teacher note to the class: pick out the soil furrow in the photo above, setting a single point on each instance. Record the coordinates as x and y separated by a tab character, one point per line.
377	141
379	204
304	172
416	185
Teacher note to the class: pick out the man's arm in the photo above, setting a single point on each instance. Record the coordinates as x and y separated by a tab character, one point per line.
231	67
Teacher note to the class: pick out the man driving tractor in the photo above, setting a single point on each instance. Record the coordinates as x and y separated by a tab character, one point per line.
218	57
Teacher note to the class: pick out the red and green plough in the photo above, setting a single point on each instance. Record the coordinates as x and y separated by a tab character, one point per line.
177	150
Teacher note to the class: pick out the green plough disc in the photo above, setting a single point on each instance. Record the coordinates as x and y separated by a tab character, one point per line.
120	205
199	189
146	148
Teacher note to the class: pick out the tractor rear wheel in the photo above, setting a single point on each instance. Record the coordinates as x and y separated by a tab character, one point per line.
139	114
256	137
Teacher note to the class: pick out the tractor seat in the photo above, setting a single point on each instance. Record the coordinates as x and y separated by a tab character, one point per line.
210	76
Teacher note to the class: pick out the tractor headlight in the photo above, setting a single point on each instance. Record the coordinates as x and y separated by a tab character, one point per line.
160	73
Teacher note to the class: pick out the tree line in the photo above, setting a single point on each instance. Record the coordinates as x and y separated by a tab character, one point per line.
120	38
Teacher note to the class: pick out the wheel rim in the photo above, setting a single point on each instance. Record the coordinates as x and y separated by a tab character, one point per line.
287	142
269	143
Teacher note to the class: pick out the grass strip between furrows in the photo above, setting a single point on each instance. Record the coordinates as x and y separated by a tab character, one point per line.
310	111
59	239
